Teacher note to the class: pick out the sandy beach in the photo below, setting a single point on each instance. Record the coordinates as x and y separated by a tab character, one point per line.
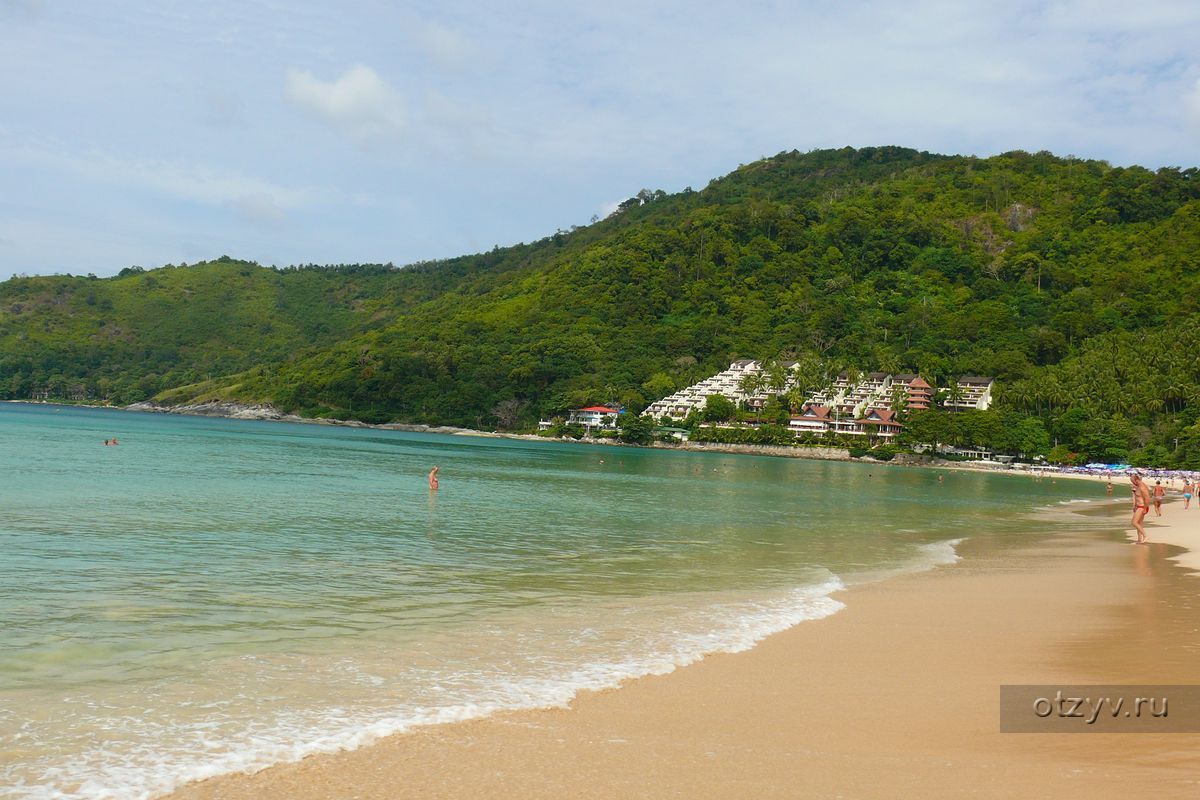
895	696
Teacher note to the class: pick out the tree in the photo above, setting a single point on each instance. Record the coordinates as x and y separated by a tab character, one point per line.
718	408
899	401
930	427
1061	454
952	394
635	429
775	411
751	384
777	377
658	386
1026	436
508	412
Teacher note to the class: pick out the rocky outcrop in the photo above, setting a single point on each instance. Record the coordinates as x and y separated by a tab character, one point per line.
231	410
218	409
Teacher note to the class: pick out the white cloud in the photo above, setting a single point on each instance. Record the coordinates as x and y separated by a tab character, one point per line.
256	199
208	186
446	46
360	104
608	209
1191	106
515	122
259	207
22	9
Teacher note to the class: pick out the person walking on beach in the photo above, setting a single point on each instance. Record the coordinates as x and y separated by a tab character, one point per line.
1108	490
1141	504
1187	493
1159	492
433	478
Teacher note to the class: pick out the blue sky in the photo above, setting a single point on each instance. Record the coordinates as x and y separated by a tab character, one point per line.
292	132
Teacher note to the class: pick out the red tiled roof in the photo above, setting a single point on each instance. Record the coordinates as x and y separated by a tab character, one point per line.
600	409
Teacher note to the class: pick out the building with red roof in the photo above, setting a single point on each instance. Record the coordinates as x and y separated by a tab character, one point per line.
594	417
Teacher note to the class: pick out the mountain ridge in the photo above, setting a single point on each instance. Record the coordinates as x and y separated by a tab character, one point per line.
1019	265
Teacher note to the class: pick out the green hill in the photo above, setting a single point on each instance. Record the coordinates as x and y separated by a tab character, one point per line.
1073	282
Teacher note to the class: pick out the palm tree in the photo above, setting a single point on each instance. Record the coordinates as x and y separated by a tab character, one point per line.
777	377
750	385
899	400
954	394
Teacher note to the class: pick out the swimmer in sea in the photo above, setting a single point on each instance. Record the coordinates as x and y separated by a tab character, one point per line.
433	478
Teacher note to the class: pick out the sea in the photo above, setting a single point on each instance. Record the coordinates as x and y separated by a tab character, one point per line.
217	595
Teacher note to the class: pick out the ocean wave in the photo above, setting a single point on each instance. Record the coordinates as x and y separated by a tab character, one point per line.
942	553
167	755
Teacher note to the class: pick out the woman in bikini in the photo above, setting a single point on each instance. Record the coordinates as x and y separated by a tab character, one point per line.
1159	492
1187	492
1141	504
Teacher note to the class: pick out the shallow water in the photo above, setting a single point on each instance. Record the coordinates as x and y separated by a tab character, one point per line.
213	595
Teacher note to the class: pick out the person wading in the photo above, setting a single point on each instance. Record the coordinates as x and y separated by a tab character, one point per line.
1141	504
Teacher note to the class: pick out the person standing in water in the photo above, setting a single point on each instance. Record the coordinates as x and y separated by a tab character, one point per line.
433	478
1159	492
1141	504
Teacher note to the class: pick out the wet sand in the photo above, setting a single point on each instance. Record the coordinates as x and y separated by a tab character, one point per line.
895	696
1178	527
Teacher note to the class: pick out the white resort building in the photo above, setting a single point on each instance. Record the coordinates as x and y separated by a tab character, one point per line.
879	422
727	383
594	417
975	392
852	404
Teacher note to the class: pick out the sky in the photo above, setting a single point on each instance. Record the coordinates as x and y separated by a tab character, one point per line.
147	133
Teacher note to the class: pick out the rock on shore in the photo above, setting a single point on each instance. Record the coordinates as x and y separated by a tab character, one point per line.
217	409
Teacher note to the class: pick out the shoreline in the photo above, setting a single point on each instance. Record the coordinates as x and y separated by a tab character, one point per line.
878	699
264	413
1177	530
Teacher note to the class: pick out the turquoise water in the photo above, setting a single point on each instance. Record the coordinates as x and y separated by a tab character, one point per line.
214	595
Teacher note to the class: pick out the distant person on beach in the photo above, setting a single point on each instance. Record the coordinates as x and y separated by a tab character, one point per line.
1109	489
1187	493
1141	504
1159	491
433	478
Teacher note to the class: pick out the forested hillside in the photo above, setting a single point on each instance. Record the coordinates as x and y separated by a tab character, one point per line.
1073	282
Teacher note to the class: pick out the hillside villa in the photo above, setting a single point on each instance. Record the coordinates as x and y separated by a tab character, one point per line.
851	405
592	417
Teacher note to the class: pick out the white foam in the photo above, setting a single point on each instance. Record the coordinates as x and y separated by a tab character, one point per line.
926	557
168	756
943	553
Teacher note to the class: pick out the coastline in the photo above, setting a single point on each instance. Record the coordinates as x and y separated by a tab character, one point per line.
265	413
1177	528
895	695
